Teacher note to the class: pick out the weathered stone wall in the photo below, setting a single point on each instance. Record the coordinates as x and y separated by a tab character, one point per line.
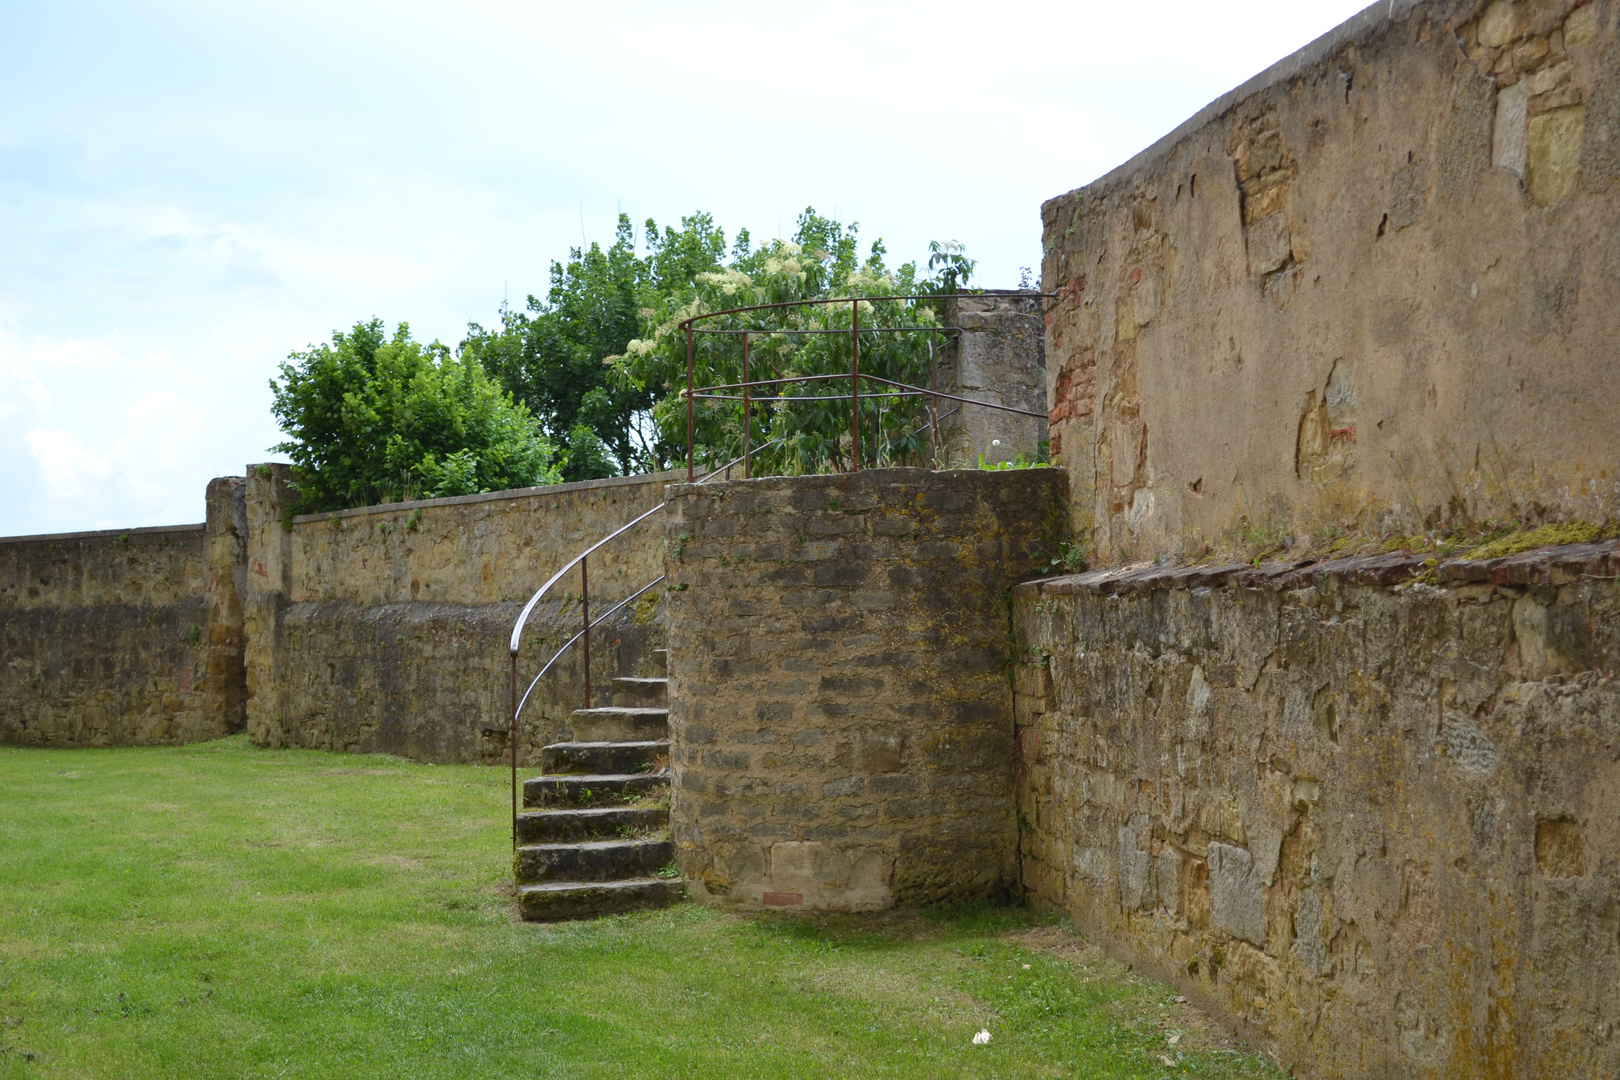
840	713
386	628
127	637
1374	823
1380	281
998	356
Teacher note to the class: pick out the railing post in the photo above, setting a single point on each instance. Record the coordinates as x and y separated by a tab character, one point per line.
585	607
855	385
933	408
689	419
513	738
747	421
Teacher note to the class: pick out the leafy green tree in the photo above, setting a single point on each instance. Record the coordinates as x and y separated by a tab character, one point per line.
373	419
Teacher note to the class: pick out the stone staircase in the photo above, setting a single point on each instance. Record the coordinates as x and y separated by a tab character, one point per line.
597	838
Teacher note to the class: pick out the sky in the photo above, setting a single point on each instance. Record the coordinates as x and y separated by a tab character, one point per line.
190	191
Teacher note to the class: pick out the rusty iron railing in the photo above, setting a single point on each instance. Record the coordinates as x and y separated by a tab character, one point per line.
855	376
746	460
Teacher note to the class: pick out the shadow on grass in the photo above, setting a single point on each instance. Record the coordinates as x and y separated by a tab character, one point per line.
874	932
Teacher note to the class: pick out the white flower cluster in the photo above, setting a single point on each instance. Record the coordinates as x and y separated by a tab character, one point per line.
729	280
775	267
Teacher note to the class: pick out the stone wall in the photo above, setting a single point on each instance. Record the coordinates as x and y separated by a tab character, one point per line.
125	637
1371	821
840	713
1379	283
998	356
385	628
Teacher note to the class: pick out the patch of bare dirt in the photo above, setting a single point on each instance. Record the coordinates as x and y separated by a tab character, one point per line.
1192	1028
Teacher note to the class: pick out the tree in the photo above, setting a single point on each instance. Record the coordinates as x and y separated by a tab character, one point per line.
579	359
821	262
373	419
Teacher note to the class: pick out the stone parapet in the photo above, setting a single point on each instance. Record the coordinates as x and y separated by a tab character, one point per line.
386	628
1375	286
997	355
124	637
1363	809
840	717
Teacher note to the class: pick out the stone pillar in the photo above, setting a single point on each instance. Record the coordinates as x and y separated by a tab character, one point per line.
225	547
268	574
840	712
999	356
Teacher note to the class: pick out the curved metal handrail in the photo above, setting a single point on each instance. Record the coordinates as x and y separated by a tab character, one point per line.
598	621
584	633
1019	294
517	629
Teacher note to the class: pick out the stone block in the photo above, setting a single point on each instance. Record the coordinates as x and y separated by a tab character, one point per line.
1269	246
1553	153
1235	904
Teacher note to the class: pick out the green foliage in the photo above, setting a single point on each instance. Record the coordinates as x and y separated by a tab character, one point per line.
1019	461
1070	557
600	362
374	419
821	262
949	269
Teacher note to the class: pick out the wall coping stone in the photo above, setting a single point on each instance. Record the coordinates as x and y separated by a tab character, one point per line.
1356	29
491	496
1542	566
103	534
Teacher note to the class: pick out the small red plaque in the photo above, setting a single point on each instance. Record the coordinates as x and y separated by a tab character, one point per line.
783	899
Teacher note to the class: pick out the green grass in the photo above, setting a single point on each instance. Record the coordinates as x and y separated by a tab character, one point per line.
223	911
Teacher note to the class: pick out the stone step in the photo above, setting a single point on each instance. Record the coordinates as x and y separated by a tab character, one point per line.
602	757
577	900
590	790
641	693
596	860
660	663
615	723
564	826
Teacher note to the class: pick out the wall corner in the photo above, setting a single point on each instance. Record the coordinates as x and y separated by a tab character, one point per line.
267	573
225	547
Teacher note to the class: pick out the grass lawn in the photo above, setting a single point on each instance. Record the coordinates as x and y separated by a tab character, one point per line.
222	911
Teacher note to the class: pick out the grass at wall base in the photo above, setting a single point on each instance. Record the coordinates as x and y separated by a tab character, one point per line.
218	910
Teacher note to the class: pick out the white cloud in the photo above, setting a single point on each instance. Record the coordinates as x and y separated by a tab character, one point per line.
22	394
77	453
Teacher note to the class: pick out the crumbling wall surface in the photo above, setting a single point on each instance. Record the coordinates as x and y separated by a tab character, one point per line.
386	629
124	638
999	356
1372	821
840	713
1379	281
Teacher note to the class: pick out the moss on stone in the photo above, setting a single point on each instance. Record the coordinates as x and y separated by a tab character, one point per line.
1571	532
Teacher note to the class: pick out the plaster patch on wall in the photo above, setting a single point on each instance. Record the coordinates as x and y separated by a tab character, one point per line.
1509	135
